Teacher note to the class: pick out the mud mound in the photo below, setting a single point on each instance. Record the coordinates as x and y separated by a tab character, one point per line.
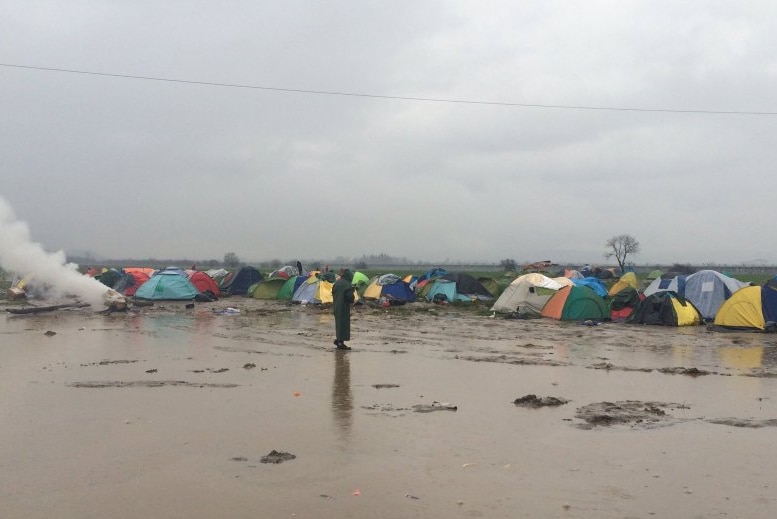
626	412
535	402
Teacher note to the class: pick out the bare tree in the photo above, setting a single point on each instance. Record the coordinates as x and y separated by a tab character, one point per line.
620	247
231	260
508	265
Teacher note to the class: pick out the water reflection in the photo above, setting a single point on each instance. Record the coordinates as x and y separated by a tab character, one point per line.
342	401
742	359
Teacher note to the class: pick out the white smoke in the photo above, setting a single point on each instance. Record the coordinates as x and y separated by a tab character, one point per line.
20	255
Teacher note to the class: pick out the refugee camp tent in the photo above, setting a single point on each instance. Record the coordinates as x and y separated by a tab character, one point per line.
527	294
145	270
665	308
138	278
708	289
458	287
572	274
490	284
576	302
595	284
266	289
623	303
204	283
217	275
654	274
360	280
667	283
390	287
242	279
751	308
125	282
168	286
175	270
313	290
629	279
284	272
433	273
605	273
109	277
286	292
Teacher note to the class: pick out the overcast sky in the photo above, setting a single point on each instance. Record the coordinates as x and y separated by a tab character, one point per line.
145	168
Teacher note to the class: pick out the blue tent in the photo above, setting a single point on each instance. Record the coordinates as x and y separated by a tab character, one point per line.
445	288
167	286
708	289
400	291
389	286
459	287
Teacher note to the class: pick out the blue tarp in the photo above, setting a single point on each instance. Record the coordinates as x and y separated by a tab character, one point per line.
595	284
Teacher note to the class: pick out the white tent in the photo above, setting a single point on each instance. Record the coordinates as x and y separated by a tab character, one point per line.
528	293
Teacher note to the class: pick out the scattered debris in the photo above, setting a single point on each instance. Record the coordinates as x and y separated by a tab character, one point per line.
435	406
589	322
536	402
50	333
608	366
531	360
693	372
628	411
146	383
277	457
226	311
745	422
384	386
153	370
249	365
41	309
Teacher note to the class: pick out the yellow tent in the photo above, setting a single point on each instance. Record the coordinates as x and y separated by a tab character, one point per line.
742	310
687	314
629	279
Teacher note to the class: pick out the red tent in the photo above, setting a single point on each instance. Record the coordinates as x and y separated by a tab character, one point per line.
140	278
203	282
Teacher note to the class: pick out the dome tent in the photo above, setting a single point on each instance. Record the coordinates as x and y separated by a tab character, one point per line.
752	308
527	294
708	289
167	286
242	279
665	308
574	303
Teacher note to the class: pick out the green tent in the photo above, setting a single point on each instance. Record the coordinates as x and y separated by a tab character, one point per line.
286	291
268	289
575	303
360	279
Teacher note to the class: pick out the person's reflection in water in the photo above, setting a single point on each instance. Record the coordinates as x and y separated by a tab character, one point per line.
342	403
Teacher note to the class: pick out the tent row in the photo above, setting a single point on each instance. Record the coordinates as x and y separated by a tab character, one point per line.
176	284
674	300
706	296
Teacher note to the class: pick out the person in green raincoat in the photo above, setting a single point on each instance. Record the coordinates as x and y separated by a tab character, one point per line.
343	298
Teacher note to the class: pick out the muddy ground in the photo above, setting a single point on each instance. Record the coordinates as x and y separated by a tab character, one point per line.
437	412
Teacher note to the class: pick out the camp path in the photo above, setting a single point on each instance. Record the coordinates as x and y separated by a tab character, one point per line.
168	412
